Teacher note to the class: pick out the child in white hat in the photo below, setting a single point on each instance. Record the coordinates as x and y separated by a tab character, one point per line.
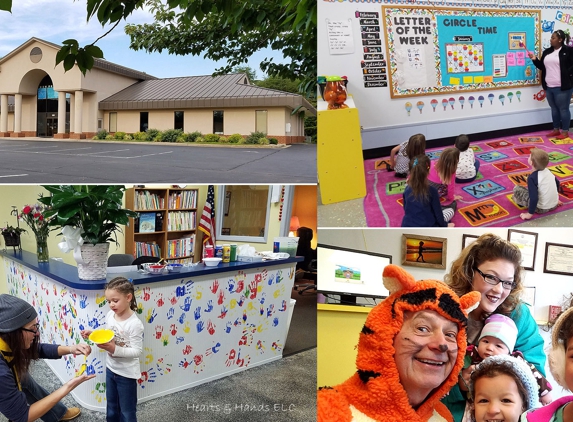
502	387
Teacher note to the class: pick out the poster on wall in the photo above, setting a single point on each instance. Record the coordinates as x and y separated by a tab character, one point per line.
432	50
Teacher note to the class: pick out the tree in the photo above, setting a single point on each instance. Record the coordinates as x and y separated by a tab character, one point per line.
219	29
251	73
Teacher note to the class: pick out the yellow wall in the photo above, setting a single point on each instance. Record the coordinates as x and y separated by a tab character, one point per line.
304	207
336	353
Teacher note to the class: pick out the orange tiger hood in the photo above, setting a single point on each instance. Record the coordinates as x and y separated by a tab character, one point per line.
375	389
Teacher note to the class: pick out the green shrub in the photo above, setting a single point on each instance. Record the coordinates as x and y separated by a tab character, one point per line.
273	141
181	139
199	139
235	138
254	137
171	135
109	137
102	134
152	134
193	136
140	136
263	141
223	140
128	138
119	135
211	137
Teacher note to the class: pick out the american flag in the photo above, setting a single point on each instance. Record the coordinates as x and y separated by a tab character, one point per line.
207	223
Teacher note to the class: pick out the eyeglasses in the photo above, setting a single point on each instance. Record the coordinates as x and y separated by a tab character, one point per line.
493	280
36	326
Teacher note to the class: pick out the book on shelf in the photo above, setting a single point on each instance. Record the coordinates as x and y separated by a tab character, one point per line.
146	222
183	200
147	249
181	220
182	247
146	200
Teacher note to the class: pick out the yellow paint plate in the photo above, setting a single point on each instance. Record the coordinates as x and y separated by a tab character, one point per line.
101	336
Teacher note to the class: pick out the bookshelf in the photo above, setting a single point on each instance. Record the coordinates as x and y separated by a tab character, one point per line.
167	224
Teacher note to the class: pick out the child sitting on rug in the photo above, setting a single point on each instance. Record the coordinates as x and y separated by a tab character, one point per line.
401	154
468	165
421	201
542	192
498	337
443	174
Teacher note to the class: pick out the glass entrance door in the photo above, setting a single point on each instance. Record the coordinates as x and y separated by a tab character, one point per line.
51	126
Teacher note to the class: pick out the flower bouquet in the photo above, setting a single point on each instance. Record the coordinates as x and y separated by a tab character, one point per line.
33	216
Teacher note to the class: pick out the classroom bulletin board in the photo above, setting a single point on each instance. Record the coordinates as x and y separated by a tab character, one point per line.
432	50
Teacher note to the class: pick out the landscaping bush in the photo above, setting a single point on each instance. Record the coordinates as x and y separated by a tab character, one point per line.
223	140
102	134
181	139
109	138
128	138
140	136
273	141
119	135
211	137
152	134
263	141
235	138
193	136
171	135
254	137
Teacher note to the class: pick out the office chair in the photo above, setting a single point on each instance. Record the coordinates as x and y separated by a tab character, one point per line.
305	270
119	260
145	260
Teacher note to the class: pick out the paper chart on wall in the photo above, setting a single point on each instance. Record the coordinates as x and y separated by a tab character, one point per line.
340	38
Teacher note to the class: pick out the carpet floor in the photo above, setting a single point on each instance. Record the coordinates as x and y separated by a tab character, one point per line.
487	201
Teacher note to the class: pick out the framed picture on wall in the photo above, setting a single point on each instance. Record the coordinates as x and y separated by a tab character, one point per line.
467	239
527	244
558	259
424	251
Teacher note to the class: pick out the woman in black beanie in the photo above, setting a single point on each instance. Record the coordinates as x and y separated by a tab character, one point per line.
21	398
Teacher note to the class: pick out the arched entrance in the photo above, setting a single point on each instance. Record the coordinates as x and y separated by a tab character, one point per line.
47	109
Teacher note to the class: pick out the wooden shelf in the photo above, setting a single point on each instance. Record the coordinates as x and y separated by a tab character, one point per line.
168	200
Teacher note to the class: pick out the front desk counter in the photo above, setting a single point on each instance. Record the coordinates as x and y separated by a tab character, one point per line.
200	325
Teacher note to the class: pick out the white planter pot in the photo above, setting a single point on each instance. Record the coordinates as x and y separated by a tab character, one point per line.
95	261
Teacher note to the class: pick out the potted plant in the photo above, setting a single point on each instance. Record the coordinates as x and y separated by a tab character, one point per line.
93	212
11	235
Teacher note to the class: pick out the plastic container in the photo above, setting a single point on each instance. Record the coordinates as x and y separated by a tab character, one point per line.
226	253
335	93
209	251
212	262
233	252
101	336
174	268
155	269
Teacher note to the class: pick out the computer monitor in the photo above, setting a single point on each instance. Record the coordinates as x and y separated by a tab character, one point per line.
350	272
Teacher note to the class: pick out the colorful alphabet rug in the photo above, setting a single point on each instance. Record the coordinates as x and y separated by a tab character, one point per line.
487	201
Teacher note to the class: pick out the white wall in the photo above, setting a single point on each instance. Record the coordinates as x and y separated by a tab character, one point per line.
550	288
385	121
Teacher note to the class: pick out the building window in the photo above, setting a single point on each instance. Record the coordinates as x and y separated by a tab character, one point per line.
143	121
178	120
261	121
218	121
113	122
99	124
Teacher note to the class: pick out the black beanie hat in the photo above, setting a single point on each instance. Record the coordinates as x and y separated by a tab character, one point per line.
14	313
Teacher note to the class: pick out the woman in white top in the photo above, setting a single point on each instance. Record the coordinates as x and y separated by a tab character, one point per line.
556	65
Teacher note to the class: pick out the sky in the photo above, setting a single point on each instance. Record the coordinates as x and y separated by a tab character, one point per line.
59	20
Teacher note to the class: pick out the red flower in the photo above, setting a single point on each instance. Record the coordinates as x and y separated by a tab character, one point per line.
26	209
37	215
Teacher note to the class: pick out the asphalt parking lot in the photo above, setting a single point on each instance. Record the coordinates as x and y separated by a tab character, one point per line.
34	160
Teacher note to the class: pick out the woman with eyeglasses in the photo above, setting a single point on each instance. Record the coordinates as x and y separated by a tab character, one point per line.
492	267
22	399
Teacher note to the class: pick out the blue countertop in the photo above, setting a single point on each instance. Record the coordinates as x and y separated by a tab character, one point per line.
68	274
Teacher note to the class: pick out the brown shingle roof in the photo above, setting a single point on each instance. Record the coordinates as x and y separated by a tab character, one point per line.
201	92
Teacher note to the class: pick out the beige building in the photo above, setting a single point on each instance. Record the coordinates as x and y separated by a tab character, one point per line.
38	99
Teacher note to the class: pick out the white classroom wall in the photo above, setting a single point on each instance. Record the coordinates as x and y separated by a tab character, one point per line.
385	121
550	289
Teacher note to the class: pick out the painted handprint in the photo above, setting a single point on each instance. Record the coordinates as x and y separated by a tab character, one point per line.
139	309
96	320
283	306
182	318
95	366
261	346
146	294
151	315
276	346
210	327
197	313
275	321
184	363
173	330
179	340
187	350
170	313
83	301
241	301
100	301
215	286
223	313
187	327
187	304
270	310
148	356
199	363
279	276
209	306
231	357
279	292
213	350
243	361
165	339
262	310
198	294
160	302
221	297
200	326
158	331
240	286
228	327
173	300
271	280
253	289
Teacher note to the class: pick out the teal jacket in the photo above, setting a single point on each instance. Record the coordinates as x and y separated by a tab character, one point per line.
529	342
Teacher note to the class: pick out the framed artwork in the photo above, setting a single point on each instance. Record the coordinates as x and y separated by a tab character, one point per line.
226	231
227	203
558	259
527	244
424	251
467	239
